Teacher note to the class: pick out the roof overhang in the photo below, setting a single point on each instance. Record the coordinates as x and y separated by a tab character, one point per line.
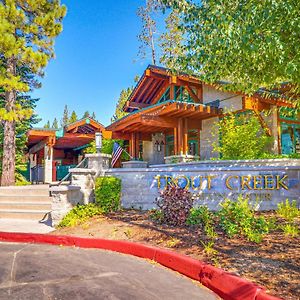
163	116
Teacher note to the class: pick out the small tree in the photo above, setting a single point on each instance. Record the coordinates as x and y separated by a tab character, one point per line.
240	137
119	113
73	117
65	118
86	114
55	124
47	125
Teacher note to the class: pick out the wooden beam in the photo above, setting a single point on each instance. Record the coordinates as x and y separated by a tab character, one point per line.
37	147
263	123
255	104
153	74
143	89
176	141
180	136
158	121
195	124
185	136
136	105
160	94
192	94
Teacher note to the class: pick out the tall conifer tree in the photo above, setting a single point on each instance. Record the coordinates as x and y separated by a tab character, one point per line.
73	117
27	32
55	124
65	118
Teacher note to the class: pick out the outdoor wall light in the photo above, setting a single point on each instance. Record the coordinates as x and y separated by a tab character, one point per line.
159	145
98	141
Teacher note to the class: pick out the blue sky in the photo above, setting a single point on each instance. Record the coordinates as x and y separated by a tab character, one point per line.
94	61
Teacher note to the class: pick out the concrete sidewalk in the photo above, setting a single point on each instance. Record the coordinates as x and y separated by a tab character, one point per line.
34	271
26	226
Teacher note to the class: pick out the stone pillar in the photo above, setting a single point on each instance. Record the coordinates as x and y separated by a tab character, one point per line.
64	198
48	165
84	179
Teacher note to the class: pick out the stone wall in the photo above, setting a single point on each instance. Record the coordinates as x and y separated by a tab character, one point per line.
229	101
207	139
271	182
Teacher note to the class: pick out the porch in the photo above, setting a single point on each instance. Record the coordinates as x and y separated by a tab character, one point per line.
52	153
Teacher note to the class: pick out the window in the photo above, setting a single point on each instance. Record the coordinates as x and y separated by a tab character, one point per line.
290	138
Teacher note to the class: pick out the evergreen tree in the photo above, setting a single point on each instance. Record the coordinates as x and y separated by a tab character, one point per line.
21	138
93	116
47	125
86	114
73	117
119	113
65	118
55	124
27	32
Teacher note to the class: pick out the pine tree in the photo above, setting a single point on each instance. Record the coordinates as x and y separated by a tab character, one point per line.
65	118
86	114
73	117
21	138
93	116
55	124
47	125
27	32
119	113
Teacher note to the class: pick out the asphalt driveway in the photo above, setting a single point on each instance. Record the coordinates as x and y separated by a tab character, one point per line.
32	271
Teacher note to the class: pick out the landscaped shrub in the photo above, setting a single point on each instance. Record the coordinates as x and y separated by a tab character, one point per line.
108	193
80	214
200	215
288	211
239	218
240	137
175	204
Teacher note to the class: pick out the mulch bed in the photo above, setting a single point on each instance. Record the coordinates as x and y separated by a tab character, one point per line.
274	263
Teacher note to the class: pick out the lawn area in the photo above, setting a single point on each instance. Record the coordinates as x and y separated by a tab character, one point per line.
273	263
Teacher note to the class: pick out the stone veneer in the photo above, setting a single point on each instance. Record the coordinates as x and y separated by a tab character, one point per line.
140	187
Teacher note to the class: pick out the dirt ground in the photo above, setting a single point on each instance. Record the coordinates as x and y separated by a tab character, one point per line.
274	263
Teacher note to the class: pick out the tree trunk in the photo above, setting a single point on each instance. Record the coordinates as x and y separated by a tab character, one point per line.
9	140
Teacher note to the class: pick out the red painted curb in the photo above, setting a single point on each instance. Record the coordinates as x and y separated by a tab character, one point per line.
226	285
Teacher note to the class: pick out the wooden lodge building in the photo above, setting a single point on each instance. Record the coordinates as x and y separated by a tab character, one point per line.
52	152
170	118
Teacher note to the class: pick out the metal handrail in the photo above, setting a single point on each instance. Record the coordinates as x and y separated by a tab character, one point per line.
69	174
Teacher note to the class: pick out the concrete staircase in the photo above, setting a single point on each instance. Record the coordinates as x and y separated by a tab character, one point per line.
31	202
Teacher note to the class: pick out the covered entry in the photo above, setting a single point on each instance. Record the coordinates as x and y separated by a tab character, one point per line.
53	152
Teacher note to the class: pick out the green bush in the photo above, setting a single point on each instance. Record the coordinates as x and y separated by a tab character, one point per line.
200	215
80	214
240	137
108	193
288	211
239	218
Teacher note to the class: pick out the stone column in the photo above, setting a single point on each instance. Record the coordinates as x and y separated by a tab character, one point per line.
48	165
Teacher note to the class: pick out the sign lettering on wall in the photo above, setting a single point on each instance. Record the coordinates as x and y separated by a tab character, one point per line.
266	182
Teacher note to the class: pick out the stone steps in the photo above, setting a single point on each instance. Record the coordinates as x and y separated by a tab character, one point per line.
23	199
25	202
23	214
44	206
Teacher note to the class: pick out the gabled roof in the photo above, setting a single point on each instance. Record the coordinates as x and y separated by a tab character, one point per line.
153	83
84	125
